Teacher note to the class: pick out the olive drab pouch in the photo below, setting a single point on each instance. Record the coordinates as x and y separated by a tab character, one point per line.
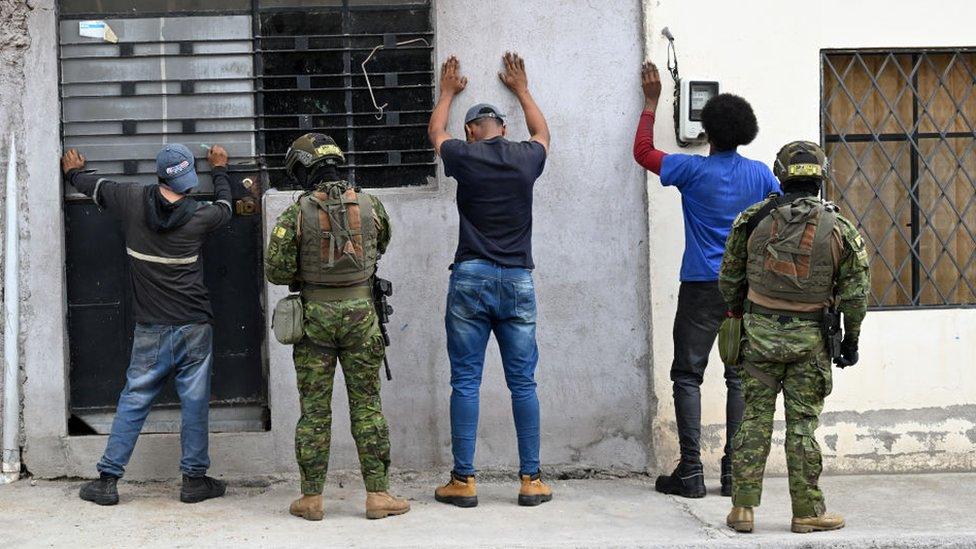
730	341
288	320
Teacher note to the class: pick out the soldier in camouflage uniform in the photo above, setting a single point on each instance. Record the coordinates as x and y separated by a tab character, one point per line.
327	245
786	259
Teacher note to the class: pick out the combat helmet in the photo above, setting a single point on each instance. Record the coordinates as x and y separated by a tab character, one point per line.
800	159
310	150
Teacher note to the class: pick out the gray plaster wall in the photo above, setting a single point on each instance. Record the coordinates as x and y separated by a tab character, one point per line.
590	251
589	244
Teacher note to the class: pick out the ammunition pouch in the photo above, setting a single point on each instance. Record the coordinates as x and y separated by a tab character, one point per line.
288	320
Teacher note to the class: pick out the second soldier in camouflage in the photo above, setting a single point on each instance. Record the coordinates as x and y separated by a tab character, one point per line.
786	259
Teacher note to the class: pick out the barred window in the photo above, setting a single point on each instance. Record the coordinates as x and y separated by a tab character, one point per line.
898	128
252	75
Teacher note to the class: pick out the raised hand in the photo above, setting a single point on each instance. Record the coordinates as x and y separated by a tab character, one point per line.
651	84
514	76
452	83
217	156
72	160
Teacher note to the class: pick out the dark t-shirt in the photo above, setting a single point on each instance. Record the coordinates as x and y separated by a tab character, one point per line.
165	268
494	197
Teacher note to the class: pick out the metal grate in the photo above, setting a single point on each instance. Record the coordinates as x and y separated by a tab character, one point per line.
253	80
898	128
311	78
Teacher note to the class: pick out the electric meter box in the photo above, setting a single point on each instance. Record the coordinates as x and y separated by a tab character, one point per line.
692	98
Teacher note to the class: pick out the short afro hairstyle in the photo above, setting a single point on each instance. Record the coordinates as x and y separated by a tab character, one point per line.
729	121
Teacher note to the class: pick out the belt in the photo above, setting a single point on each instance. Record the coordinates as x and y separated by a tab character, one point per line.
751	307
330	293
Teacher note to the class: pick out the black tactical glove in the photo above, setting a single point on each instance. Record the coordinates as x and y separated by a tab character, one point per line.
848	354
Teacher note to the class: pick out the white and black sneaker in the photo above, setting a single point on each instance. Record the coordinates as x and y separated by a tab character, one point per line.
197	489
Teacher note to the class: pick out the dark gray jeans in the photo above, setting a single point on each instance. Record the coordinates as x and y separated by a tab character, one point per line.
700	312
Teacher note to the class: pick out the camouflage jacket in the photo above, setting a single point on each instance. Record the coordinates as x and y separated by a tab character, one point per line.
852	281
281	259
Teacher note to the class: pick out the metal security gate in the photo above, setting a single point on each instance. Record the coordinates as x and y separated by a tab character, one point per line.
180	79
251	75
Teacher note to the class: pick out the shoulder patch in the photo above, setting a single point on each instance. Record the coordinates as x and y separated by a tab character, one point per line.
280	232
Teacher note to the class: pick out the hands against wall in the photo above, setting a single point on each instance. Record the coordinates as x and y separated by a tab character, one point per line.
514	76
217	156
651	84
452	83
72	160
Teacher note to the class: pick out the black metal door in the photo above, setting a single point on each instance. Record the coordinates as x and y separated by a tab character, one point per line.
100	320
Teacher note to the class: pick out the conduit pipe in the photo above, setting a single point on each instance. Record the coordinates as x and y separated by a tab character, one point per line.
11	328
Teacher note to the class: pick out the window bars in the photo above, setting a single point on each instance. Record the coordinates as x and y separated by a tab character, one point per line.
898	128
252	75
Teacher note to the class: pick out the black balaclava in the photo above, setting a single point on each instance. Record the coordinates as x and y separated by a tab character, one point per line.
802	186
321	172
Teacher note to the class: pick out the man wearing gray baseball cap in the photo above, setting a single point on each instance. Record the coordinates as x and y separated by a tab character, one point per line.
164	232
491	287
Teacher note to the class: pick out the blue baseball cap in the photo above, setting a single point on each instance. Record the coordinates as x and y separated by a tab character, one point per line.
483	110
176	168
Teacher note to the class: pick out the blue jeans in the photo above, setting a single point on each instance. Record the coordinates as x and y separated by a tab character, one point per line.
485	298
158	350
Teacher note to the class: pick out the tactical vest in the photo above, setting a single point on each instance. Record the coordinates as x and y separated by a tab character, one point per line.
337	239
790	252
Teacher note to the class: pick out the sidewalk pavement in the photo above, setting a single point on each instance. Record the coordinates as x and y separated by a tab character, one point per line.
882	511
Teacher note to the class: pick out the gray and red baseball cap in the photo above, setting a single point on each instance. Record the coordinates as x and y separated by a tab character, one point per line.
175	167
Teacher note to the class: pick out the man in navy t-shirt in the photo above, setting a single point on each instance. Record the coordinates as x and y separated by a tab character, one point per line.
491	288
714	189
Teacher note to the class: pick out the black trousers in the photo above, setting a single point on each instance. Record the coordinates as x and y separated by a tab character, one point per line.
701	310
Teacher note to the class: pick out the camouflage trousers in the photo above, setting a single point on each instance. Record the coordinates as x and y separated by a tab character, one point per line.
346	332
791	351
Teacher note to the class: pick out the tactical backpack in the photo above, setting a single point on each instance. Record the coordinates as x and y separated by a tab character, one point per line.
337	238
790	251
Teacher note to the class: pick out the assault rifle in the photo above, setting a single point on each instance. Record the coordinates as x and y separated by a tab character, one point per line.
383	289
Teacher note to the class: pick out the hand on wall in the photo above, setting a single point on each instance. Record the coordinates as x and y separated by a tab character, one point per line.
217	156
452	83
651	84
72	160
514	76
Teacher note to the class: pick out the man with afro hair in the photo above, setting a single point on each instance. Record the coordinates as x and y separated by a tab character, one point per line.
714	189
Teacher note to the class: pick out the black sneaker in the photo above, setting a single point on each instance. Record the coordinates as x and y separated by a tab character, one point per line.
687	481
197	489
102	491
727	476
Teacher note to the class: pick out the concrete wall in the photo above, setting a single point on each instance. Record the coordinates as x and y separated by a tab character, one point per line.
911	402
590	230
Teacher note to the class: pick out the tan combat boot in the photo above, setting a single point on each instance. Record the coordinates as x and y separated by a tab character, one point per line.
460	491
308	507
822	523
533	491
382	504
740	519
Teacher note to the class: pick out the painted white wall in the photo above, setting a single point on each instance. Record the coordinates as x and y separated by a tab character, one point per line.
910	404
